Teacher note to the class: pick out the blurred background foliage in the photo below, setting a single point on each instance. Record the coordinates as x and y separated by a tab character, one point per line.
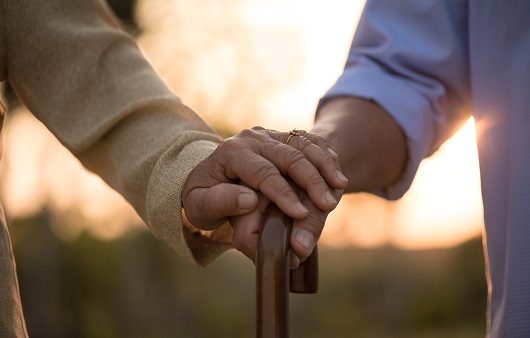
136	286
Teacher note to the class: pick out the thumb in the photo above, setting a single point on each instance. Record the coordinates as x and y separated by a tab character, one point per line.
207	208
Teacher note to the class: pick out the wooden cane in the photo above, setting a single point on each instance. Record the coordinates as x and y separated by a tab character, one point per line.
273	277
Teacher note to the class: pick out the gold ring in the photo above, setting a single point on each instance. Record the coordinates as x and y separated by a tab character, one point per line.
292	133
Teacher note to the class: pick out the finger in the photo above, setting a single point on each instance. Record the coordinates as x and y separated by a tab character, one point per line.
306	232
321	143
292	163
238	158
316	149
207	208
257	159
263	175
246	234
246	229
262	163
245	237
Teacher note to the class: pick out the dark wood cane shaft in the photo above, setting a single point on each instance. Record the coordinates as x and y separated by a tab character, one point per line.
273	277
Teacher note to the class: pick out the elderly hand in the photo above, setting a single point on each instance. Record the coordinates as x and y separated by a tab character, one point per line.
304	234
261	160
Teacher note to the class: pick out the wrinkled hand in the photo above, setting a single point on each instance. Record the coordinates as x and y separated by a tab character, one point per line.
304	234
261	160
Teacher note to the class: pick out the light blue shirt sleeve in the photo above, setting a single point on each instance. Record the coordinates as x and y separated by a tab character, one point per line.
411	58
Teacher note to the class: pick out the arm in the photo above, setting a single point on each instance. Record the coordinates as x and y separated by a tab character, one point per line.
403	92
372	152
371	146
88	82
407	66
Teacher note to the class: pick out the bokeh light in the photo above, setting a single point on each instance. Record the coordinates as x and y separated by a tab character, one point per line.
239	64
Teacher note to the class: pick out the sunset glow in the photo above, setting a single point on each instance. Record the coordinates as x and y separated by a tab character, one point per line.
240	64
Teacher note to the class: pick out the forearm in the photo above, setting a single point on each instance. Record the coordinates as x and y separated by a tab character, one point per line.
89	83
371	146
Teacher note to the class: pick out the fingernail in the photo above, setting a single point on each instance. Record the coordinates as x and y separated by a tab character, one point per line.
329	198
246	200
333	154
301	208
341	177
305	239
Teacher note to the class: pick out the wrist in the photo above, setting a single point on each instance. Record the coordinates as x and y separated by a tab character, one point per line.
371	146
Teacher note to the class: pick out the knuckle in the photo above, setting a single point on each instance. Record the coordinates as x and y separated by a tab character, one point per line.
314	223
264	174
295	157
274	185
318	140
247	132
303	143
227	146
302	132
327	162
257	134
314	179
279	148
317	219
284	190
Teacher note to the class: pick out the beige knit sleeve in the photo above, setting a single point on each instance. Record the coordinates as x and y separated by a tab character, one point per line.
87	81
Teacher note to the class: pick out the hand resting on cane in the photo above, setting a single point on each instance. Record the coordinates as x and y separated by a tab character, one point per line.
250	170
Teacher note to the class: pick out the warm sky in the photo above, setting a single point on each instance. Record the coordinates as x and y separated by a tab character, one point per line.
242	63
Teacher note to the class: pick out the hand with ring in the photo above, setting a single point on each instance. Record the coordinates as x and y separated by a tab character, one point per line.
292	133
250	170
